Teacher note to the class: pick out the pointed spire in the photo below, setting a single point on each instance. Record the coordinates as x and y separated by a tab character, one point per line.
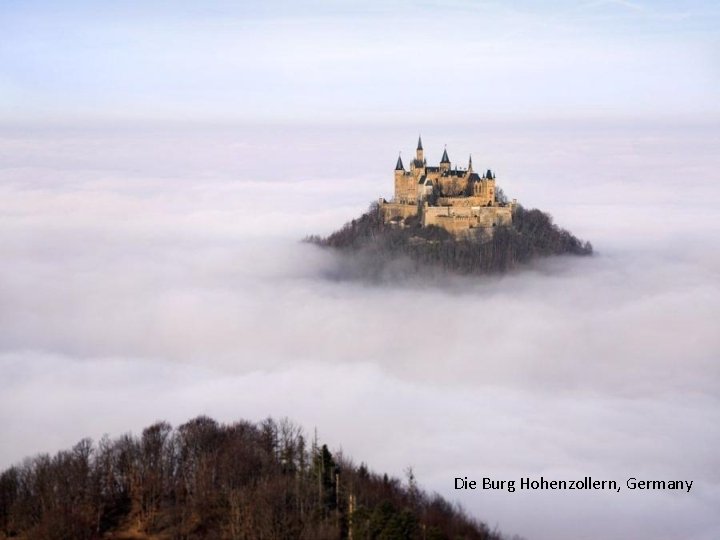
470	164
419	146
399	166
445	158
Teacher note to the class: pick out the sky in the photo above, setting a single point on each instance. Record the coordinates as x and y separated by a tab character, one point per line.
370	61
159	162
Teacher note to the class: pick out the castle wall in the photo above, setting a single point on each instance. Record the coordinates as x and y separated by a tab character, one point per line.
458	202
453	185
391	210
456	219
405	187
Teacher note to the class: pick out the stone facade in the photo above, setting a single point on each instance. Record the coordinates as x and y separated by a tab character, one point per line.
459	200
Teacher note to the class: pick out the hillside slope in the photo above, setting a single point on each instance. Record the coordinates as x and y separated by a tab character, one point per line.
376	245
205	480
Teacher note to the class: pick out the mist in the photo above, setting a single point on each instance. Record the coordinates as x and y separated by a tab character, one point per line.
157	273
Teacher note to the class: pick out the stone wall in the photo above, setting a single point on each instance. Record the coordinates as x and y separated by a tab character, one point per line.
456	219
405	186
457	202
392	210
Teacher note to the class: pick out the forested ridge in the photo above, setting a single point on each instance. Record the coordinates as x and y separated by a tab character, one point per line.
208	480
375	244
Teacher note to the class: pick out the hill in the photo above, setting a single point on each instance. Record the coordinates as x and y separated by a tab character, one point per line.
377	245
205	480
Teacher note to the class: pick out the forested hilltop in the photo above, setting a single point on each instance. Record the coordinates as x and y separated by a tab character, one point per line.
376	245
208	480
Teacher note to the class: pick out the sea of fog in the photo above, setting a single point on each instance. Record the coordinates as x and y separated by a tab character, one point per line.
155	273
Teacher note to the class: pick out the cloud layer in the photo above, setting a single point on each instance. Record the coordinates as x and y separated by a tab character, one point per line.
157	274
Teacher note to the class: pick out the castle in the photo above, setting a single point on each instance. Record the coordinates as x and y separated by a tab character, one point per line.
458	200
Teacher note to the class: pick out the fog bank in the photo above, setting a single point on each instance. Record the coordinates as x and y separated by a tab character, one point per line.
158	274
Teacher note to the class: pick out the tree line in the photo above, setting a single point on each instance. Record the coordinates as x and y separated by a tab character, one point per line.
203	479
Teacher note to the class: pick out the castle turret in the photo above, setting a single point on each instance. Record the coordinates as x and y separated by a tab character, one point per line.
418	164
400	180
445	161
399	173
490	187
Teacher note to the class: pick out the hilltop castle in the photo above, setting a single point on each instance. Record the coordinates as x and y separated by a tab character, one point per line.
458	200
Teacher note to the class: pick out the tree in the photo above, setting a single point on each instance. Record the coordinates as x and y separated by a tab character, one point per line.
204	480
500	196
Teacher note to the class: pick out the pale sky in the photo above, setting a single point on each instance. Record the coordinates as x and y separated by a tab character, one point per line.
302	61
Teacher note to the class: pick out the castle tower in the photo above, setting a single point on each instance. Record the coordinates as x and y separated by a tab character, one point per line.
419	153
399	180
490	187
445	161
399	173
